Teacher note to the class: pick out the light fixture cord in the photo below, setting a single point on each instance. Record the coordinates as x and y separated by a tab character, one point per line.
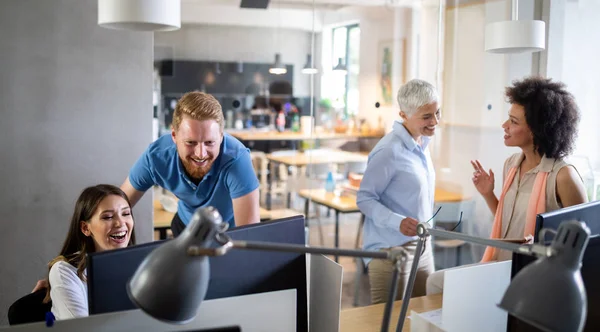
515	10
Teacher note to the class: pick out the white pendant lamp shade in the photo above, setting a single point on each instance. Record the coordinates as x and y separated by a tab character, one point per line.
515	37
140	15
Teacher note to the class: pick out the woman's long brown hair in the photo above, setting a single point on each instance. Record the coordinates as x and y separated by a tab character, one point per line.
77	245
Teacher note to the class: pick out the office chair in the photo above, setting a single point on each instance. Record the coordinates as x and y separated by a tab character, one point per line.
29	308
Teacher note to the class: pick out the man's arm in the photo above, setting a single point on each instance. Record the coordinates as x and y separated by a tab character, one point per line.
243	187
140	179
246	209
133	194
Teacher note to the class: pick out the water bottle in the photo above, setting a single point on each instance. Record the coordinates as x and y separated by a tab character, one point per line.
280	121
330	183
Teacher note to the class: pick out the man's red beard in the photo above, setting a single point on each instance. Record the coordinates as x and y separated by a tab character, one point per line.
194	171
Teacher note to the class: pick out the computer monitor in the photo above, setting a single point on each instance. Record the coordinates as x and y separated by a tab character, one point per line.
588	212
219	329
590	270
590	273
240	272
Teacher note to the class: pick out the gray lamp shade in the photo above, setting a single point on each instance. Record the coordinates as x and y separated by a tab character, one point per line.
549	293
340	67
170	284
308	68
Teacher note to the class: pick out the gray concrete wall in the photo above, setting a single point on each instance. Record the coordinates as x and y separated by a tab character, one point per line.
75	110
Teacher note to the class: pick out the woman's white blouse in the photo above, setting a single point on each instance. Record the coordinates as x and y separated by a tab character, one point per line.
68	292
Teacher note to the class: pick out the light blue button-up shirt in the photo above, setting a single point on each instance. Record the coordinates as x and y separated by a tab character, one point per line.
399	182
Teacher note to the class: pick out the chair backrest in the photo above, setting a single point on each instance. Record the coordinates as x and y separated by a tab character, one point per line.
450	212
29	309
259	161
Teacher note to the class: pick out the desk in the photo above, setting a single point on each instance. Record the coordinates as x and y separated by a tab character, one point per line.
340	204
312	157
163	218
369	318
444	196
347	204
249	135
317	156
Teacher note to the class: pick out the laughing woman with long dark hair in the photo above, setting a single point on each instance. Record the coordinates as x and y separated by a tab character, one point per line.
102	221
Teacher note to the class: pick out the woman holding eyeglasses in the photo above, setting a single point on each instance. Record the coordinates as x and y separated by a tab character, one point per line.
397	189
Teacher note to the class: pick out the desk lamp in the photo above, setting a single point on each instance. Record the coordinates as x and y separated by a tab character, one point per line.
172	281
547	294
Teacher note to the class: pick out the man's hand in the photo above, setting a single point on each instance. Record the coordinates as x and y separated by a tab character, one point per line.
40	285
408	226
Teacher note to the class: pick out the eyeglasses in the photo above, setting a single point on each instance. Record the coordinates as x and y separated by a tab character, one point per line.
452	230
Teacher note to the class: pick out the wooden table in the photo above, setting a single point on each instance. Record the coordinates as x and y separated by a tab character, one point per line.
249	135
340	204
346	203
312	157
163	218
277	214
369	318
317	156
444	196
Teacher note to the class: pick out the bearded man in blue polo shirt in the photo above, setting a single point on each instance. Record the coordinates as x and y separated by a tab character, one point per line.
200	164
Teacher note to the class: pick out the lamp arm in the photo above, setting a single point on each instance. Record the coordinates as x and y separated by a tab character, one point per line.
284	247
528	249
424	230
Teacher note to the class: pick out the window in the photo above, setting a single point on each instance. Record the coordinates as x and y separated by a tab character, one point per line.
343	89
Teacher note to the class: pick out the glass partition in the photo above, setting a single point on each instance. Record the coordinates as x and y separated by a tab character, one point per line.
311	122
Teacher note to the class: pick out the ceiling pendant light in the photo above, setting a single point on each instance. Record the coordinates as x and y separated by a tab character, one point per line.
140	15
514	36
277	68
340	67
308	68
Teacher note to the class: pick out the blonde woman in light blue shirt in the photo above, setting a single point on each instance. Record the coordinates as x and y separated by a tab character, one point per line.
397	190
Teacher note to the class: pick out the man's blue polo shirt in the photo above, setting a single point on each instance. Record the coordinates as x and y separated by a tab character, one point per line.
231	176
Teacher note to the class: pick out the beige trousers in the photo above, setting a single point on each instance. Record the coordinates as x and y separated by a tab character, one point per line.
380	274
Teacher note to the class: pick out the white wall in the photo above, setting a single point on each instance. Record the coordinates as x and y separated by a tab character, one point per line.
378	26
238	43
472	80
581	71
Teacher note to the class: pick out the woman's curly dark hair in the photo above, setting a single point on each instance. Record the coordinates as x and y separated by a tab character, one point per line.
551	114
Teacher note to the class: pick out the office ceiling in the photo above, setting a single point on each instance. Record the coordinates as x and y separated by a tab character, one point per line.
336	4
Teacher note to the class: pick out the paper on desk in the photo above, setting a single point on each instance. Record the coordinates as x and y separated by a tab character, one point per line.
430	321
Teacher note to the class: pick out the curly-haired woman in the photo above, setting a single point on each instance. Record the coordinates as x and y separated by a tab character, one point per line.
542	122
